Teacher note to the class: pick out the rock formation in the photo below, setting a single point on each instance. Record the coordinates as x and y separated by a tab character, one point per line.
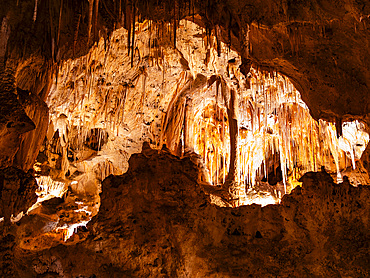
17	191
133	134
157	221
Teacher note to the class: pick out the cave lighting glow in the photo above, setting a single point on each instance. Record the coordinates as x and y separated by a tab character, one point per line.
68	230
47	189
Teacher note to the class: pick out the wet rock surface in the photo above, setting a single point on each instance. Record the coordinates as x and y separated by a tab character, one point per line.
156	221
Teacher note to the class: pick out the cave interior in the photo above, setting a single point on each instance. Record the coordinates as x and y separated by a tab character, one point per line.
184	138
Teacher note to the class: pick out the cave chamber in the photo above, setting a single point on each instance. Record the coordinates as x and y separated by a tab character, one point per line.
184	139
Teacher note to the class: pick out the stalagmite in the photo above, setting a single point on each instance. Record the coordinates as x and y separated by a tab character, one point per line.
274	119
233	125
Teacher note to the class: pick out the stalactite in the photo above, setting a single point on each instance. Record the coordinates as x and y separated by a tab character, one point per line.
174	25
338	125
189	6
60	21
133	34
34	11
128	27
218	42
143	89
193	14
229	31
124	104
89	23
279	124
96	19
273	130
75	37
120	10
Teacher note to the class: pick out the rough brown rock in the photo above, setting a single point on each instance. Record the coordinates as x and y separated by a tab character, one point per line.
17	192
13	120
38	111
155	221
322	46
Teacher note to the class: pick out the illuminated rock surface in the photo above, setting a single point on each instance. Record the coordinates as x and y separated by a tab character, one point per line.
105	104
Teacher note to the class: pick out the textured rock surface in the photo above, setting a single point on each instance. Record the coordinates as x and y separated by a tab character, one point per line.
17	192
156	221
322	46
13	119
103	99
106	103
38	112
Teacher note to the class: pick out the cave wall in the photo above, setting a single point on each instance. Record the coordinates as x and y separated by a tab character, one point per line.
17	193
321	45
131	101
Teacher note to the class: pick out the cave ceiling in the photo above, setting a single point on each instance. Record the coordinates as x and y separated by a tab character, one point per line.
322	46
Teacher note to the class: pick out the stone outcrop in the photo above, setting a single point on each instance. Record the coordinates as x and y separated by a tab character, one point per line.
104	105
17	192
14	121
322	46
156	221
38	112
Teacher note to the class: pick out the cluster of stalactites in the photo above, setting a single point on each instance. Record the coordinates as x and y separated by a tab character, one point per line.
276	133
286	126
212	141
275	120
